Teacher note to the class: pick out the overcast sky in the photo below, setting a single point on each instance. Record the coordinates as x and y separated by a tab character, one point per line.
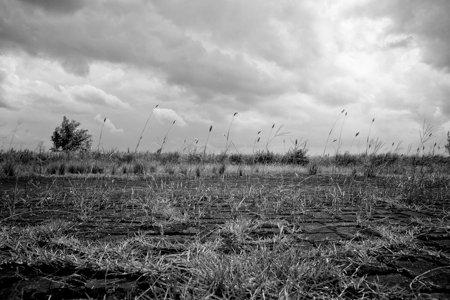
292	63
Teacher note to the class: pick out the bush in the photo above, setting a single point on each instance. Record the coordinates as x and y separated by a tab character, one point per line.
222	169
97	169
236	159
194	158
169	157
221	158
62	169
296	157
264	157
56	169
9	168
138	168
126	158
76	169
347	159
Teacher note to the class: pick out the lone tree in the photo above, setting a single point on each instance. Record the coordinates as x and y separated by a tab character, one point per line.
68	138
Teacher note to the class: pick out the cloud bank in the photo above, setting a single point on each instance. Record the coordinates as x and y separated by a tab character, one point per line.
168	115
108	124
297	63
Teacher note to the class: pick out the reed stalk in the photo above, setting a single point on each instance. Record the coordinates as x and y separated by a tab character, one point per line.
328	138
143	129
160	150
368	136
101	132
228	133
206	144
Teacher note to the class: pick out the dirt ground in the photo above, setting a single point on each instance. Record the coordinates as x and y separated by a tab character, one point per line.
310	211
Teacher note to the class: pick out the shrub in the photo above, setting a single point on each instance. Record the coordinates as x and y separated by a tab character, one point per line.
114	169
97	169
313	168
169	157
297	157
222	169
152	168
264	157
169	169
62	169
126	158
346	159
183	170
9	168
138	168
194	158
56	169
76	169
236	159
221	158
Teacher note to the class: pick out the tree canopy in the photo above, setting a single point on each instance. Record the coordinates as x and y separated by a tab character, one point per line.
68	137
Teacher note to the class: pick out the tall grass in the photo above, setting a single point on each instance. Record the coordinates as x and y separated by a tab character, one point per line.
14	131
278	133
368	136
160	150
425	135
257	138
340	135
206	144
227	145
326	144
101	132
353	140
143	129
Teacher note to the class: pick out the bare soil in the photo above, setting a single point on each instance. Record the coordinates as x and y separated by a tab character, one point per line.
111	212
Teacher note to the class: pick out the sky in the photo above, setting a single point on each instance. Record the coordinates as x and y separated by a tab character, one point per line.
295	64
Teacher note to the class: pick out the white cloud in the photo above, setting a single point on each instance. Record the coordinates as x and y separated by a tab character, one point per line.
168	115
297	63
108	124
94	96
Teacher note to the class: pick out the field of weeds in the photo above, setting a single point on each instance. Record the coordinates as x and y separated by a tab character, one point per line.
121	226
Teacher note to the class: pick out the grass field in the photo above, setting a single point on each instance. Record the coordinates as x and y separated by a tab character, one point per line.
140	226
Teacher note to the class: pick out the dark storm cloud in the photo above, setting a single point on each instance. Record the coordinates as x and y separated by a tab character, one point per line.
59	6
427	22
207	49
